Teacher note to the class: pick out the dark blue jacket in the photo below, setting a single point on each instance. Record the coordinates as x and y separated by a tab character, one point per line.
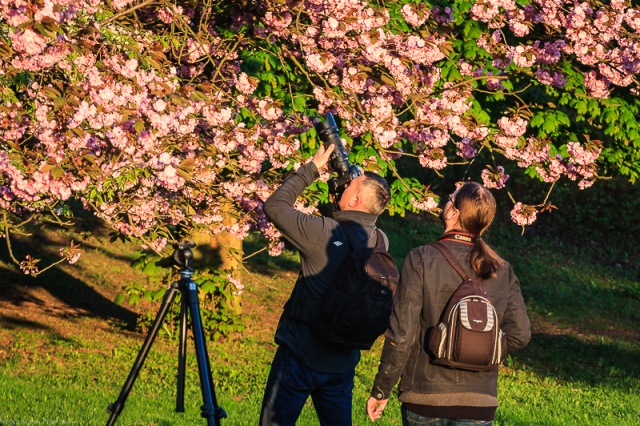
323	247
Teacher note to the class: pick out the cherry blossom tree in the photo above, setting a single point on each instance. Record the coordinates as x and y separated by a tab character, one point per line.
164	118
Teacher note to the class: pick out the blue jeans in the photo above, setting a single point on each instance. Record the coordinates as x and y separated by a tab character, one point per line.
290	384
410	418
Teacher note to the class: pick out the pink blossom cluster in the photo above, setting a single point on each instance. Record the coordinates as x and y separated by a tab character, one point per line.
514	127
602	37
237	284
581	163
523	214
168	124
596	84
133	114
36	48
29	265
433	158
494	178
165	14
156	245
427	204
245	85
530	151
523	56
407	60
553	170
415	14
71	254
582	155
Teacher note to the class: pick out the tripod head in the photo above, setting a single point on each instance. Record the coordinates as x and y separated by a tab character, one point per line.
181	256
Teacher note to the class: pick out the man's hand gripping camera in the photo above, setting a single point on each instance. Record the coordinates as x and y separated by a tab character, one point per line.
339	162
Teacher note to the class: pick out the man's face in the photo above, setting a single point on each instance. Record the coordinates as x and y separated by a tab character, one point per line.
350	193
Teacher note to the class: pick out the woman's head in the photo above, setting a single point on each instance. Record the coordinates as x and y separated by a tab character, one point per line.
476	208
471	209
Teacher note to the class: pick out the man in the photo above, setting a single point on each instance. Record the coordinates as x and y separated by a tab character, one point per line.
304	365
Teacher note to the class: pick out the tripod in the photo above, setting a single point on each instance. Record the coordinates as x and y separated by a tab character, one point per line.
189	289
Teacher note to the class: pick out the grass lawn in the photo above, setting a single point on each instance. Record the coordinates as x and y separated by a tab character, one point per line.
66	348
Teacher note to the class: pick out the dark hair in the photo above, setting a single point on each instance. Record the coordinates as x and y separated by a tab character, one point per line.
477	208
379	189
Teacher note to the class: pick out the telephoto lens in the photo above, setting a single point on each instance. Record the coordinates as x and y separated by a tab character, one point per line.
329	134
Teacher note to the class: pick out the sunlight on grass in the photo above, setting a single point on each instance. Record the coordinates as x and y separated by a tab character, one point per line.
582	366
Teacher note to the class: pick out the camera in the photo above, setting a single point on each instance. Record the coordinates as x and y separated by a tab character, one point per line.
339	161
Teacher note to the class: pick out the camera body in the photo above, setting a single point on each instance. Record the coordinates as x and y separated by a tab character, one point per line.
329	134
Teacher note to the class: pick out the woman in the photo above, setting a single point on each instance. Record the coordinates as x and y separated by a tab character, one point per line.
432	394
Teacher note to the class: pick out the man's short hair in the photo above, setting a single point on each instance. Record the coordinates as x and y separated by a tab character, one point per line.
378	187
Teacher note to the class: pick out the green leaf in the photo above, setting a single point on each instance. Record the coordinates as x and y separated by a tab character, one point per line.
158	294
594	108
610	116
198	96
537	120
299	103
153	63
550	124
150	267
471	29
185	175
563	118
187	165
139	126
59	102
57	172
208	287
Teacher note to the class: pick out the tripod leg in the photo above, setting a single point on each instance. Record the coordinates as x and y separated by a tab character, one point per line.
210	410
182	359
116	408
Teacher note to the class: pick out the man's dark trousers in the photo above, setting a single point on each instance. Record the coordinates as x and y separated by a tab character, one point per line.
290	384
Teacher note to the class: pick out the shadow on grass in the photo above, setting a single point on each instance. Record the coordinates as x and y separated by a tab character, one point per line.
77	295
586	305
80	298
569	358
13	323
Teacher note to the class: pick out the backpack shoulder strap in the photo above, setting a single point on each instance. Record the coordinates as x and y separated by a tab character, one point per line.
380	240
451	259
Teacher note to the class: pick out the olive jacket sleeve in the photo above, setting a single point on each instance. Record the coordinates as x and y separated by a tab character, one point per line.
427	281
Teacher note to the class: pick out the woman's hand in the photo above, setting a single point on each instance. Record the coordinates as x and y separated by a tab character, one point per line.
375	408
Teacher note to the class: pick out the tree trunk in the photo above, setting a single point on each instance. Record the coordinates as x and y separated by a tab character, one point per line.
221	251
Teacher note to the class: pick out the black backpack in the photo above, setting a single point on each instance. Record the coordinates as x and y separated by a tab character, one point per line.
357	309
468	335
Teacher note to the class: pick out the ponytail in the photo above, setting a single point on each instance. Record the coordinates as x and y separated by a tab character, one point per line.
484	260
477	208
